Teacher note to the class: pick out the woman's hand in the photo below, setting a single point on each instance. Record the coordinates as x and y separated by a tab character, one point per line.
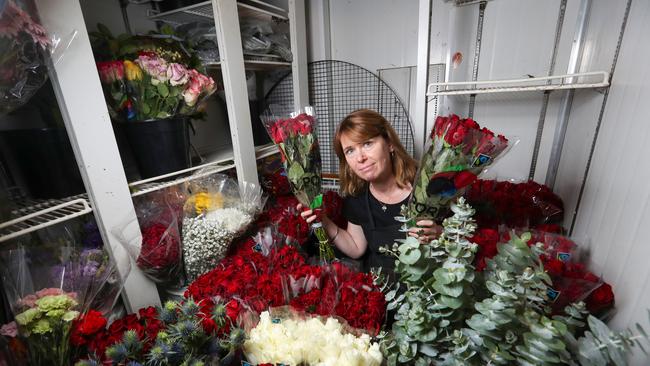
425	231
307	214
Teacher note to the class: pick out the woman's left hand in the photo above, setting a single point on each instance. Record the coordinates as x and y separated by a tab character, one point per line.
425	231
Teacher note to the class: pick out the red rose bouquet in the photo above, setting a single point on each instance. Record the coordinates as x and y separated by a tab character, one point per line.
523	204
458	151
264	272
562	260
157	251
296	136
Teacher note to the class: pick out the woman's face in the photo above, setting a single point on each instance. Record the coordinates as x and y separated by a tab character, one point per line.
369	159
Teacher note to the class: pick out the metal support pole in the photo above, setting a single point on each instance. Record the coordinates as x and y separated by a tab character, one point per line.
298	29
567	101
79	93
234	79
422	77
477	55
547	94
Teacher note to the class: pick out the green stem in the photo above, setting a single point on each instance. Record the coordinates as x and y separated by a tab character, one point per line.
325	250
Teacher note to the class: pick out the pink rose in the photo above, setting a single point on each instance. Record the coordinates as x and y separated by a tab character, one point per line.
177	74
155	66
49	292
9	330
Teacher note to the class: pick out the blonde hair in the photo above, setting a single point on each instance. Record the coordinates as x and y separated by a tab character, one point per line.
362	125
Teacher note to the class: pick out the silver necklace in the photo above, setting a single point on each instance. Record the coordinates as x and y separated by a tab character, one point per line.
383	205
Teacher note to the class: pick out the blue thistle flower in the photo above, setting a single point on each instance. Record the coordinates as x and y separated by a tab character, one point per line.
237	337
117	352
176	354
167	315
131	341
156	356
134	363
190	308
219	314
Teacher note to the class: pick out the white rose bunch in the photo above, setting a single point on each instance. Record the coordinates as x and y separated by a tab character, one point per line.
308	341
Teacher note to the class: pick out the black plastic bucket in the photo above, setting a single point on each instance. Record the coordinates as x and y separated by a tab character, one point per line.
159	146
45	160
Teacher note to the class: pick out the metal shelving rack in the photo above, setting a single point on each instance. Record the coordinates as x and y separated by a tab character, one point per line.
79	94
556	82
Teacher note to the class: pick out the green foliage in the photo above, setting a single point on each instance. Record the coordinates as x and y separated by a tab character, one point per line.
447	314
435	284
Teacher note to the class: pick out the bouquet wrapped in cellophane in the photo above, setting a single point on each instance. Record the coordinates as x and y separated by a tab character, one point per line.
48	285
296	136
458	150
217	210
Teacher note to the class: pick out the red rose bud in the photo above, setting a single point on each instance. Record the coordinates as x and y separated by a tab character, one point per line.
455	136
463	179
470	124
600	299
439	127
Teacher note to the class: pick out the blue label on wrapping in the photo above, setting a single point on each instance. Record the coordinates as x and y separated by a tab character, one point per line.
244	363
552	294
275	320
257	247
564	257
482	159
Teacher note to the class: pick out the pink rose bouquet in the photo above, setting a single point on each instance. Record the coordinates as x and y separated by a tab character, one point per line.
150	87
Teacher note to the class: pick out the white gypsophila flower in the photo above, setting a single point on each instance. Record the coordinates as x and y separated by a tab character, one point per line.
231	219
310	342
206	239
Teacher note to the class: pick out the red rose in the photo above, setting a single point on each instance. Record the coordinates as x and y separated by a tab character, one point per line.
455	136
463	179
600	299
554	267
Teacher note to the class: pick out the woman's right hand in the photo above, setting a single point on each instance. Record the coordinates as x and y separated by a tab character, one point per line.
307	214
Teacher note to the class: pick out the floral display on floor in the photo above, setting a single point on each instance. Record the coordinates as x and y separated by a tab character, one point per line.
500	286
446	313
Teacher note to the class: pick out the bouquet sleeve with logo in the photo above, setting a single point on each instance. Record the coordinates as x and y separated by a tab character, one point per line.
296	136
458	151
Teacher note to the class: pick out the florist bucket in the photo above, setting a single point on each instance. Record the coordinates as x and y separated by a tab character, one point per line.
45	160
159	146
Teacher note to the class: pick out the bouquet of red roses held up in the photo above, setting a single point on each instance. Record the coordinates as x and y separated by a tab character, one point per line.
296	136
459	149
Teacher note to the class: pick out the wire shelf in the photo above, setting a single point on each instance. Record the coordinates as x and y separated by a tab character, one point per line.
222	160
255	65
203	12
596	79
44	214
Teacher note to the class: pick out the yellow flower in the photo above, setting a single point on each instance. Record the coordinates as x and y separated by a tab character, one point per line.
132	71
203	202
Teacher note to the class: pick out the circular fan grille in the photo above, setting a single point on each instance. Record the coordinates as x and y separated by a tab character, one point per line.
337	88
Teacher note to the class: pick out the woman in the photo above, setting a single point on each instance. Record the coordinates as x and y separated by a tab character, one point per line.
376	174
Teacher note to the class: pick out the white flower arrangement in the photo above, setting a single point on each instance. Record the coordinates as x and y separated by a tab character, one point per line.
206	238
310	342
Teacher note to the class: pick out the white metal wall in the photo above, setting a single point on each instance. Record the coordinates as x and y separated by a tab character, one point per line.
615	210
